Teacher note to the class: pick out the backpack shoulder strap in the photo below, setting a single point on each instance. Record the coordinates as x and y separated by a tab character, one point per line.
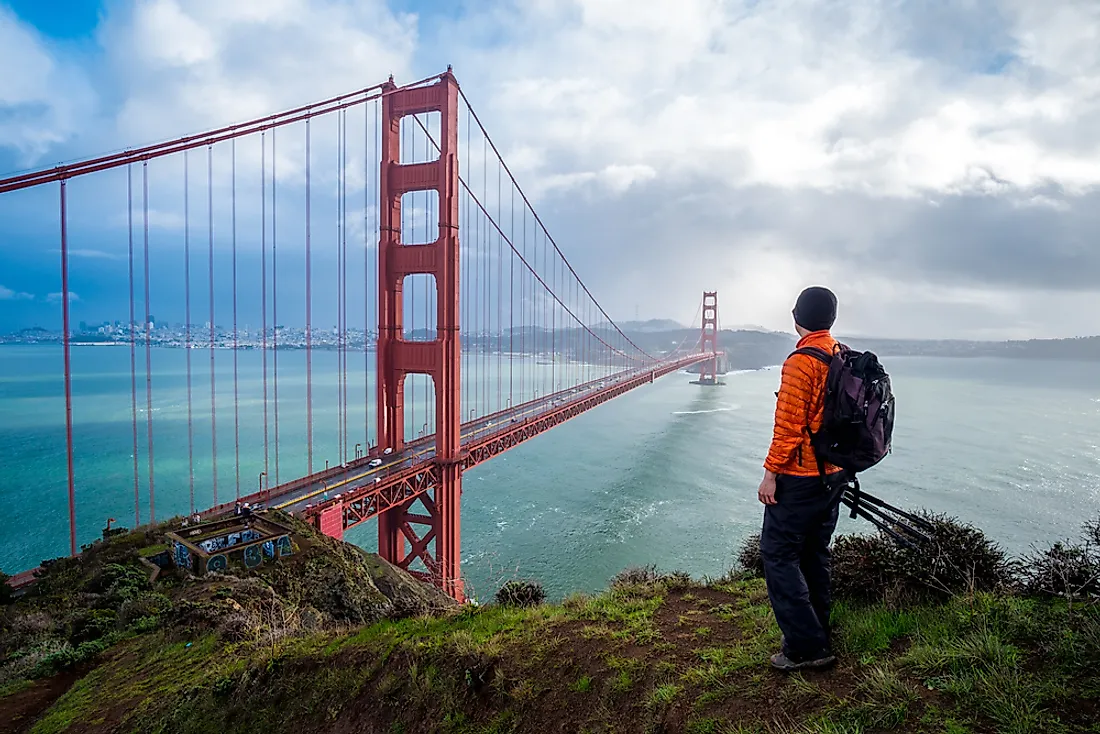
816	352
822	356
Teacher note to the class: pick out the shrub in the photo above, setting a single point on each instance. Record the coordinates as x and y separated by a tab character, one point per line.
956	558
68	657
863	566
145	604
1092	533
636	576
521	593
93	625
677	580
25	662
1065	570
123	582
33	624
749	559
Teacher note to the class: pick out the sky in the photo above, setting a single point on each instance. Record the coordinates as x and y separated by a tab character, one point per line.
936	164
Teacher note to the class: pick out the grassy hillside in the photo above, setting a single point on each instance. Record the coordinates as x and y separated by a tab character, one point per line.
654	653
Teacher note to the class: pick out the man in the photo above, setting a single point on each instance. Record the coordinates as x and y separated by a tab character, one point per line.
800	509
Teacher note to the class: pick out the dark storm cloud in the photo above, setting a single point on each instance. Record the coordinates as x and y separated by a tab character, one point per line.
966	240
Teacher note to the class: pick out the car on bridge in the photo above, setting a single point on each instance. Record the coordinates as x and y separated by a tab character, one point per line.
374	462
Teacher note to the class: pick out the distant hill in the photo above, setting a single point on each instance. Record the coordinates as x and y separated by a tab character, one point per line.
648	327
1084	348
752	349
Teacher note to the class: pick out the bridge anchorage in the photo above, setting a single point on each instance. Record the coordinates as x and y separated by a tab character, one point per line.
479	347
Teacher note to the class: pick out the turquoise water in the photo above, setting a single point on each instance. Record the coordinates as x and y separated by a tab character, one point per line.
666	474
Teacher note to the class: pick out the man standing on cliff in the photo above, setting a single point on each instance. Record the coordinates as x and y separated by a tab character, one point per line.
800	508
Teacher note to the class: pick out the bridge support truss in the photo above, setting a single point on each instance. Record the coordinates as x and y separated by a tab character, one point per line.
406	533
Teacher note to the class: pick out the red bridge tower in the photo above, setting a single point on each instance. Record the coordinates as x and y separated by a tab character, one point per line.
399	541
708	372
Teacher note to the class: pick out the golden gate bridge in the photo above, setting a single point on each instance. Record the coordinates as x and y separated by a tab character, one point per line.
434	241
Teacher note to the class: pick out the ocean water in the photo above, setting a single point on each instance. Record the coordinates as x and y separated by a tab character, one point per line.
666	474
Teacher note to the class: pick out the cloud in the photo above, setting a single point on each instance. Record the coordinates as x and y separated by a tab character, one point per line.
7	294
939	168
922	164
791	95
201	64
93	254
57	297
44	97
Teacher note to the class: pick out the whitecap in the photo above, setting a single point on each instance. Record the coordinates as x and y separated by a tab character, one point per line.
710	410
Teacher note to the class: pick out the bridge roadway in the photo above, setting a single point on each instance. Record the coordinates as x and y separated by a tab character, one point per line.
402	476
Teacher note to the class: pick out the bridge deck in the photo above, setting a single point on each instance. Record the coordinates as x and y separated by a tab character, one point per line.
372	488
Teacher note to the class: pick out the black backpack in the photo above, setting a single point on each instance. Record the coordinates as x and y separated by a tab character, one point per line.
859	411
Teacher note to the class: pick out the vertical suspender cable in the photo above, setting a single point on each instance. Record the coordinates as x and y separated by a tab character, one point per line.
523	317
366	274
484	266
309	317
475	306
545	309
263	283
500	302
65	338
344	281
148	347
464	253
133	338
236	342
187	327
275	299
511	300
339	288
213	327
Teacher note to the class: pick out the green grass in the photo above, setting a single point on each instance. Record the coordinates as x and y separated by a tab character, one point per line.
866	632
625	612
9	689
980	663
151	550
663	695
627	672
582	685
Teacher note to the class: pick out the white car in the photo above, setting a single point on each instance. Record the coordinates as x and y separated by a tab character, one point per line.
387	452
374	462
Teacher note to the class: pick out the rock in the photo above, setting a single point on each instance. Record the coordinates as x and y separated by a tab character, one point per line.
408	595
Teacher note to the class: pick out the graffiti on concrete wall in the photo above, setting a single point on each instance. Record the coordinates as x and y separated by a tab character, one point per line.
182	556
212	545
253	556
283	544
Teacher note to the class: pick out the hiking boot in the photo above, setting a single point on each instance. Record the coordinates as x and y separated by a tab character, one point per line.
783	663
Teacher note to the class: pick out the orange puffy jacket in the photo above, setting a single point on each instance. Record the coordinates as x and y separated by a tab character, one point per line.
800	403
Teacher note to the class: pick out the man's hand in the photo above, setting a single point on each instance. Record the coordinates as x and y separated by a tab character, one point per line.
766	492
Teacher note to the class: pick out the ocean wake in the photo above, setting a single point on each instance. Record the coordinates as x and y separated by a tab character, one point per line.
712	410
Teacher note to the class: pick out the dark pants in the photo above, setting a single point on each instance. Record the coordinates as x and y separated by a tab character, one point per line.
794	545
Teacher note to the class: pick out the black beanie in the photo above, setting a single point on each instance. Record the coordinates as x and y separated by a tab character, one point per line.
815	309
